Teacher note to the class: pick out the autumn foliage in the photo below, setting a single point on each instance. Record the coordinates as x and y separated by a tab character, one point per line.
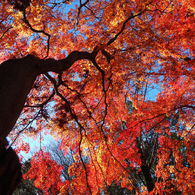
129	108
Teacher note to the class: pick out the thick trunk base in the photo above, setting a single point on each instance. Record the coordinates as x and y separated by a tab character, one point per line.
10	170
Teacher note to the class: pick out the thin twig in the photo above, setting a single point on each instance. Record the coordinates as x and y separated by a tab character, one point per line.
5	32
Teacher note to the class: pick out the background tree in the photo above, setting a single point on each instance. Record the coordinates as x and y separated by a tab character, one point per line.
26	186
68	69
58	155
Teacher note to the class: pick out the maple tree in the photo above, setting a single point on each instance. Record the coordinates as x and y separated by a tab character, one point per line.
113	80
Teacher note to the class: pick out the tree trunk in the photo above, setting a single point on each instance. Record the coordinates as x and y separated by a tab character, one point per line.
16	79
10	171
146	172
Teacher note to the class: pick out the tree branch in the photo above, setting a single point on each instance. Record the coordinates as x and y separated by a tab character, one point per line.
123	27
5	32
59	66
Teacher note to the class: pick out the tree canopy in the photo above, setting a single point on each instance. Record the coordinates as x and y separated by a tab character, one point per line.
113	80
